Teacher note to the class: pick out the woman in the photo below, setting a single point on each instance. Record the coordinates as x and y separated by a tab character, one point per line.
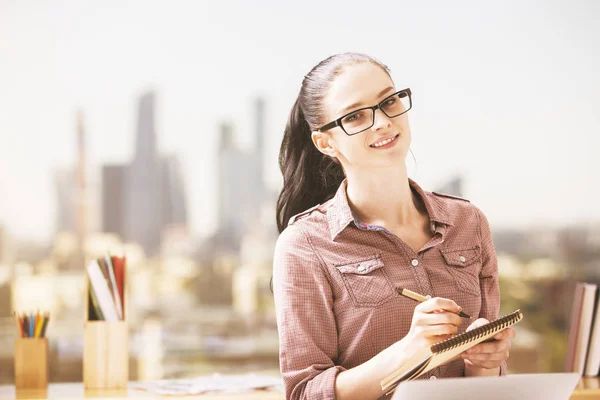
354	228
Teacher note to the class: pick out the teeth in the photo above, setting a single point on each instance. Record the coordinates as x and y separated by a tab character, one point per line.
383	142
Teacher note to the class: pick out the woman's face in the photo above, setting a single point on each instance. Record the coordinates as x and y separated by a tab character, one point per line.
363	85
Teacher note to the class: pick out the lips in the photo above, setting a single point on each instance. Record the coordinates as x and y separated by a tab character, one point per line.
383	141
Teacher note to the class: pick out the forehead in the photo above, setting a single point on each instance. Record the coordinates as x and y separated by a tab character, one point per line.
359	83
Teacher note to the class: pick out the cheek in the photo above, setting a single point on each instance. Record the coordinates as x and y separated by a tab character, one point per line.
354	149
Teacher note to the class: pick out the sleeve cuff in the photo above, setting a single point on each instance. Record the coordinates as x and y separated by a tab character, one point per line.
503	369
322	386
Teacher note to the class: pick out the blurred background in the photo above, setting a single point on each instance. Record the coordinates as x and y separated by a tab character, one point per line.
152	129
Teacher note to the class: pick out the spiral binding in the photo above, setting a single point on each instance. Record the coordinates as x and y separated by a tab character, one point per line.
476	333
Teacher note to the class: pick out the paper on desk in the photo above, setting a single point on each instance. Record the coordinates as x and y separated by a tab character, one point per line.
215	383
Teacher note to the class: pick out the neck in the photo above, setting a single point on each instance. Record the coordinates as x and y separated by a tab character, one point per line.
383	198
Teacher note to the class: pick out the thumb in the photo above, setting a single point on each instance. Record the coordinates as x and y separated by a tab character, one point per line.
477	323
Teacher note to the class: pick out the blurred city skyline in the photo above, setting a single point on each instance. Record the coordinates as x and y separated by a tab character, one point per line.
505	95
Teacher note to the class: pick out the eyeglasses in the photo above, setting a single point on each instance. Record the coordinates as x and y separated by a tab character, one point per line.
362	119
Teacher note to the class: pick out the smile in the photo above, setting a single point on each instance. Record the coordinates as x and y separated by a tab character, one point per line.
384	142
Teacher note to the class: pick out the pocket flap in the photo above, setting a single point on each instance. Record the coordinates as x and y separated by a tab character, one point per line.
361	267
461	257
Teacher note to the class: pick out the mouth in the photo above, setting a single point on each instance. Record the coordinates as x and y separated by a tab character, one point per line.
385	143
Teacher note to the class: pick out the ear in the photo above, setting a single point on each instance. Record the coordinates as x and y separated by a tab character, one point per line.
324	143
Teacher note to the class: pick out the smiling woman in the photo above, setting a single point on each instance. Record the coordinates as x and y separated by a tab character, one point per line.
353	228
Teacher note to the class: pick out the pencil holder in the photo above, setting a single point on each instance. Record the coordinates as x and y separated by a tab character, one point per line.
31	363
105	355
105	349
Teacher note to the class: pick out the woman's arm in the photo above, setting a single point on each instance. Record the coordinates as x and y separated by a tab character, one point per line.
430	324
306	324
488	359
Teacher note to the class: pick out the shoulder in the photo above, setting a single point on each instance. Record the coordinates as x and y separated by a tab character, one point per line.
454	206
313	222
459	210
292	246
303	215
449	196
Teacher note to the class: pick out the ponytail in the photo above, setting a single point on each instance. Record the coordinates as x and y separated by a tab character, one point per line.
309	176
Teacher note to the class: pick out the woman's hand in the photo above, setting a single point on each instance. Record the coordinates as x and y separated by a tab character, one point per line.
488	355
434	320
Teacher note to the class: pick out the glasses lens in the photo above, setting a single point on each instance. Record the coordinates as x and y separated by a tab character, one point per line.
358	121
396	104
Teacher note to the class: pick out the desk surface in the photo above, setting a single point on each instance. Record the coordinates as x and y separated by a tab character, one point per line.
587	389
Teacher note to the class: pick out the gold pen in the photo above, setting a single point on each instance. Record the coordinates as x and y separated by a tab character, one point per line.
420	298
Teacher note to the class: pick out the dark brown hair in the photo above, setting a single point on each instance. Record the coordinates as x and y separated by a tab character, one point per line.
309	176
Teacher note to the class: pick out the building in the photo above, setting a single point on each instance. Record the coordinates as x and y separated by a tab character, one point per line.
113	212
142	199
242	190
66	190
72	200
453	187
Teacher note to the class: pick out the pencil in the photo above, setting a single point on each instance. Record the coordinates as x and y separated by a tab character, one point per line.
25	325
38	324
45	324
17	323
420	298
21	327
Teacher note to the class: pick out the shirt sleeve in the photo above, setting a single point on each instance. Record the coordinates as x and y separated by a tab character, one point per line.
306	324
488	279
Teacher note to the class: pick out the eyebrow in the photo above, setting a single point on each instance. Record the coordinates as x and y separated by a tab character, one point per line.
357	104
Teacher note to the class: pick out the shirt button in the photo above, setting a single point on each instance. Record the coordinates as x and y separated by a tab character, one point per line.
415	262
462	258
361	268
432	377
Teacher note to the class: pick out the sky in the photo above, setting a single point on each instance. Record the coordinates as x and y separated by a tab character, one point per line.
505	93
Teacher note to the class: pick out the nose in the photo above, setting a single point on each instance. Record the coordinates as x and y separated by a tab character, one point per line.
382	121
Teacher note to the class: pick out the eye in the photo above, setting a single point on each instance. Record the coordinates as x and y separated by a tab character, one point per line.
357	116
390	102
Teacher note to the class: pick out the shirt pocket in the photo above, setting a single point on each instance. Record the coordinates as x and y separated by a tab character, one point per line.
367	282
464	264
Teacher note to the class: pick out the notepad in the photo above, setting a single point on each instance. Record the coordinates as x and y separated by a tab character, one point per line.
445	351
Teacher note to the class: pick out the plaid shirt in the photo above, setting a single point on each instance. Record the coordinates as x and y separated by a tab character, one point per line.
335	278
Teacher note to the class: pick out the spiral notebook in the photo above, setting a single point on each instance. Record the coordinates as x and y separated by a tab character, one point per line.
443	352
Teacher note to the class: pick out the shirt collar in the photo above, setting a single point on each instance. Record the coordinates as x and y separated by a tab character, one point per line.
339	214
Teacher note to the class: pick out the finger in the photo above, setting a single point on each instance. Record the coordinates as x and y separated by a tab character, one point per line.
483	364
439	318
437	330
507	333
486	356
438	303
490	347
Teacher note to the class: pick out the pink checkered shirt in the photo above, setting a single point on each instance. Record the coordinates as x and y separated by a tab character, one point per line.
335	278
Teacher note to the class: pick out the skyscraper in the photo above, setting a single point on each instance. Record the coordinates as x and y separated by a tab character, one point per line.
143	198
174	207
66	190
71	189
260	132
452	187
113	199
241	189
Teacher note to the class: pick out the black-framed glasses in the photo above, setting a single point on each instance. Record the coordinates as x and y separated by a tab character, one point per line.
362	119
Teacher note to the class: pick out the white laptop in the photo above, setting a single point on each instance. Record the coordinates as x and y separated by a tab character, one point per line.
557	386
